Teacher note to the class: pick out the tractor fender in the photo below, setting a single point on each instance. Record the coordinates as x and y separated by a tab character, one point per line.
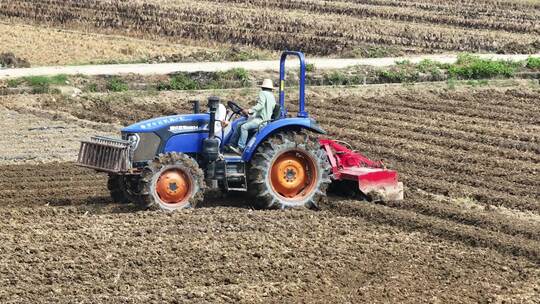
279	126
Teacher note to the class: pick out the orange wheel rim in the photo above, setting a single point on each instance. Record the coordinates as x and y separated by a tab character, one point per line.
293	175
173	187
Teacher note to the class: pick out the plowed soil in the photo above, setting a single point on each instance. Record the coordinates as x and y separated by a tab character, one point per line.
467	232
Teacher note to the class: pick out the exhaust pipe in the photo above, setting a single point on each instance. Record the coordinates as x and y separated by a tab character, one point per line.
196	106
211	144
213	103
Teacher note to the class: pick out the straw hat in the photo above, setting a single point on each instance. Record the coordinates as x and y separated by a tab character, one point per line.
267	84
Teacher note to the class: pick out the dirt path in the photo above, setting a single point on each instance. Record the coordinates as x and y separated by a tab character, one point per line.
167	68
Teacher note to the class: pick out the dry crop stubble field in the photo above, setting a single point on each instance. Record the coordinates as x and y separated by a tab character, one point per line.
468	230
43	45
336	28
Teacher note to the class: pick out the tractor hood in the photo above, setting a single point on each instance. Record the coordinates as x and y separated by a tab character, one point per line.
184	122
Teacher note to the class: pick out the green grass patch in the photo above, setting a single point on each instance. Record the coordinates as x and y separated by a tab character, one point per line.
91	87
180	81
403	71
533	63
473	67
336	78
41	84
234	78
116	84
398	76
467	67
428	66
183	82
237	74
13	83
46	80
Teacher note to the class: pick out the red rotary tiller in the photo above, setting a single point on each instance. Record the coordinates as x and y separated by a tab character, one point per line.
374	180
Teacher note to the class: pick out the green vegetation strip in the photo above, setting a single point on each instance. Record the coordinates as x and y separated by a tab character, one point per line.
468	67
220	80
533	63
39	84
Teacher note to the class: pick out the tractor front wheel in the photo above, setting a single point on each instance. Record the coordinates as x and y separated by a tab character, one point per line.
289	170
172	181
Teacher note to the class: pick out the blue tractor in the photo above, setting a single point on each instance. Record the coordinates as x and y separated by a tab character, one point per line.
168	162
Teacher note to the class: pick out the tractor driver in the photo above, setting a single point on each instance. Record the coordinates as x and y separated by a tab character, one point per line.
258	114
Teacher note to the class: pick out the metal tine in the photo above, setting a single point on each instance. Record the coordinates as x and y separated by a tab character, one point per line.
80	155
90	159
96	157
95	154
120	159
126	162
110	159
102	156
117	160
116	154
122	162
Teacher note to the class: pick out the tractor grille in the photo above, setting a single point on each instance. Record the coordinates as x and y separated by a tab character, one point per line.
105	154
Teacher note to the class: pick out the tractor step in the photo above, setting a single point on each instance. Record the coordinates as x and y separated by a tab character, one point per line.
235	176
232	157
237	189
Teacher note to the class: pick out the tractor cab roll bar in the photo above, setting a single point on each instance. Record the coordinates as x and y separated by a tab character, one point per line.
302	84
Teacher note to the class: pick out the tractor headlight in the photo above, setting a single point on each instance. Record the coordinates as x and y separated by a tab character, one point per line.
134	140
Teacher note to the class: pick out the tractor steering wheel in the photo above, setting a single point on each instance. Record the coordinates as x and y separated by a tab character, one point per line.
238	110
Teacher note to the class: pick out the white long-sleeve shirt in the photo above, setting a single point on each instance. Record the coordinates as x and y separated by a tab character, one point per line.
221	115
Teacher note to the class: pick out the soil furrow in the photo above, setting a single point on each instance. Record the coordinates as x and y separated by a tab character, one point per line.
443	229
508	130
426	205
435	135
436	125
427	155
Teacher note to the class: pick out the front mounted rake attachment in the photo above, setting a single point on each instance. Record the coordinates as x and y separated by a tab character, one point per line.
374	181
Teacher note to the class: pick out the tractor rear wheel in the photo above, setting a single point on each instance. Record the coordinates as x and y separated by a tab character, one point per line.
289	170
172	181
118	189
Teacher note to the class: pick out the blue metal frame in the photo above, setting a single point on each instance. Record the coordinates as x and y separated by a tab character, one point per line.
185	143
301	99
